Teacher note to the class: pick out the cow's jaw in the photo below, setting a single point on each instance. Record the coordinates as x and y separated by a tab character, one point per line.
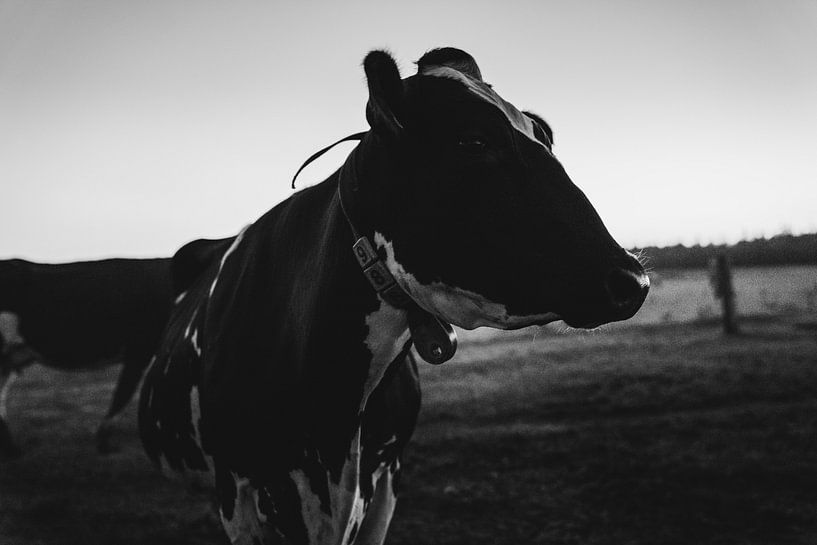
455	305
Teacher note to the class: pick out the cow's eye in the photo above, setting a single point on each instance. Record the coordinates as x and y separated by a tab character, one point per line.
472	143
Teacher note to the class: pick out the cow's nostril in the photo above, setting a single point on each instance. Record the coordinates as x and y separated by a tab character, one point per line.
626	288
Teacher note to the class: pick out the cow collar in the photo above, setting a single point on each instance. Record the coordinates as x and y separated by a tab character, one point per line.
435	340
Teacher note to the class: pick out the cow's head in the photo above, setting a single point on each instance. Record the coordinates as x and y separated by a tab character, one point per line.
472	212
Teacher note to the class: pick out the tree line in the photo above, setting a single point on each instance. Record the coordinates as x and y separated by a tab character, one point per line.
785	249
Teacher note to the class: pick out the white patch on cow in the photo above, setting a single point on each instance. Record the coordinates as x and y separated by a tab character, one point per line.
229	251
346	503
194	341
262	518
195	414
6	380
10	328
319	525
16	354
10	333
388	334
246	524
378	516
460	307
192	334
151	363
382	449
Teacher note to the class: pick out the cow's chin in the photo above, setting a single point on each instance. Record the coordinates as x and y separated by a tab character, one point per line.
463	308
470	310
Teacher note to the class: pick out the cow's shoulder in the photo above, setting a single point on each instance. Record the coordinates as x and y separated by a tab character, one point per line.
194	258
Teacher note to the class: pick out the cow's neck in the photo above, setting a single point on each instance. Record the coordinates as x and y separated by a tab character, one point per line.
435	340
352	335
387	331
388	326
339	296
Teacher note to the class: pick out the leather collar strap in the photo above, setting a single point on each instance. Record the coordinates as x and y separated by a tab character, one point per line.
375	270
435	340
356	136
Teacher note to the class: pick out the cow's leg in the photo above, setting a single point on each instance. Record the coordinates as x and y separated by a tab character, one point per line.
378	516
8	449
129	378
245	525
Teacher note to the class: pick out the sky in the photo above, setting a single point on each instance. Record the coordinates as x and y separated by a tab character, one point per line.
129	128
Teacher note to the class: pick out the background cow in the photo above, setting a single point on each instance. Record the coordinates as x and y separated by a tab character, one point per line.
78	315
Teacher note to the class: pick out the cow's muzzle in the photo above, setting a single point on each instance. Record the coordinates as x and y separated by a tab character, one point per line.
625	287
626	290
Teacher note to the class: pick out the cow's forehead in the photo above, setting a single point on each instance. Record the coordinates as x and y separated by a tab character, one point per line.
483	91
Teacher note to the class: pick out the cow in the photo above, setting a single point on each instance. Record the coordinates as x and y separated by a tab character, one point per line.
285	373
78	315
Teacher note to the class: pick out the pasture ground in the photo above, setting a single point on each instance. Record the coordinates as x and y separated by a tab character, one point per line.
654	435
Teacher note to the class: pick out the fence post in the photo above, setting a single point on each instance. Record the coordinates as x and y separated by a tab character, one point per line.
721	280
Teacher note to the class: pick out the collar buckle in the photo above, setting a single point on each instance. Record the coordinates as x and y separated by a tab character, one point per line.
435	340
378	275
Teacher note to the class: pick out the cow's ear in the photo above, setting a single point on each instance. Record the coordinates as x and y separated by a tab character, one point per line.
385	106
542	124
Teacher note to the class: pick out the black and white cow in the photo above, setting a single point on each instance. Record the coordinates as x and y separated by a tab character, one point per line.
80	315
285	371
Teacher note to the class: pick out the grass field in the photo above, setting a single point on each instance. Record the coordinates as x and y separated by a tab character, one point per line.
681	296
655	435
